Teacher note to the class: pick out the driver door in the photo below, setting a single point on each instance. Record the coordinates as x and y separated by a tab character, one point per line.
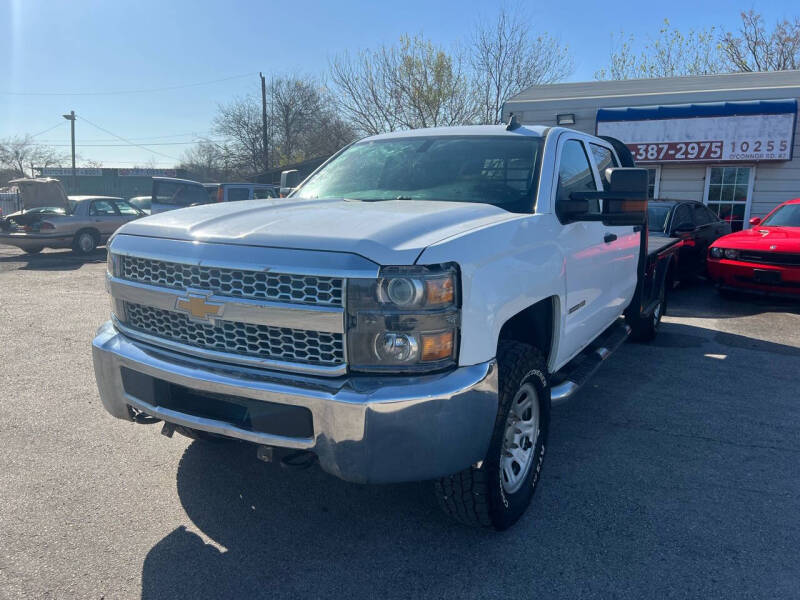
589	259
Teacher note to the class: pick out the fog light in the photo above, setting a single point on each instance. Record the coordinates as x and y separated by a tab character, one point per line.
396	346
731	253
437	346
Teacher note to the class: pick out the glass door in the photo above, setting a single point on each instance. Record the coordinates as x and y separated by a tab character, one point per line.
728	193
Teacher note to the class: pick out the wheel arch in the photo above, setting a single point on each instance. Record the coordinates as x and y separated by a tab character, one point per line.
536	325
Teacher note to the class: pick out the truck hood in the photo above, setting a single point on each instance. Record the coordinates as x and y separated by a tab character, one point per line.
391	232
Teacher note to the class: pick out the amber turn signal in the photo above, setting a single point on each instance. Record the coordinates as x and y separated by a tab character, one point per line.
439	290
437	346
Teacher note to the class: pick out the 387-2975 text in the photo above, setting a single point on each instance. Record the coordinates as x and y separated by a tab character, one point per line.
709	150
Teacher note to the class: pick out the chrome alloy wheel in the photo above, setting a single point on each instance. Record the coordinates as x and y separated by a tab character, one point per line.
519	439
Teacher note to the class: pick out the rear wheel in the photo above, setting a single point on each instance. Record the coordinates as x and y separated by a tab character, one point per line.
85	242
645	327
497	493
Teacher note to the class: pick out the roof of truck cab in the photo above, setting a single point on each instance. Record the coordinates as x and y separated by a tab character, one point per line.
486	130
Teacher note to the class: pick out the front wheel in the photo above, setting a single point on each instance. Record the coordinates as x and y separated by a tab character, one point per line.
496	493
84	243
645	327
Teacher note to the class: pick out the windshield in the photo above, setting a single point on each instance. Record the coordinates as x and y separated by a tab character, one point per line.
786	216
657	216
495	170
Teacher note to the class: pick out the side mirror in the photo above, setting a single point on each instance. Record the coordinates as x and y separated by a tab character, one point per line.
755	221
624	202
289	180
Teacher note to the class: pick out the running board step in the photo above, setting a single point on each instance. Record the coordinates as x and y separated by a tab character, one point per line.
581	368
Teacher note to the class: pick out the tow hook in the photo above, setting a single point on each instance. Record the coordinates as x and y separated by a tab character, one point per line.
142	418
298	461
168	429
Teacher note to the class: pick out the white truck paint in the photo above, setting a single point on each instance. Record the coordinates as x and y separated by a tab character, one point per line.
434	293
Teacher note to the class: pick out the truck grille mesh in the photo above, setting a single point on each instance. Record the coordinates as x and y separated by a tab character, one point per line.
255	285
259	341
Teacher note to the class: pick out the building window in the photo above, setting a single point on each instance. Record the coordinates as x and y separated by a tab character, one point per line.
653	180
728	193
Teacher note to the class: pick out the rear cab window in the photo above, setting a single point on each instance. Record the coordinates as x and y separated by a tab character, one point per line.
179	193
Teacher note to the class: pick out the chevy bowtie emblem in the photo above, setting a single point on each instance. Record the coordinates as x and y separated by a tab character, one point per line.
198	307
772	247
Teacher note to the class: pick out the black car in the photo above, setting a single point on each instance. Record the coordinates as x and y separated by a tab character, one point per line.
694	223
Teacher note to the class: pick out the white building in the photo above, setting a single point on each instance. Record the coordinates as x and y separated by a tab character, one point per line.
728	140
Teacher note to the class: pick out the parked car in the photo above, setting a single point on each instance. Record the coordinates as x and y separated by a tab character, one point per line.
142	203
413	318
50	219
764	258
694	224
170	193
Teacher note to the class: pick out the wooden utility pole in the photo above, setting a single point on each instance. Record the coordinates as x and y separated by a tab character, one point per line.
264	135
71	118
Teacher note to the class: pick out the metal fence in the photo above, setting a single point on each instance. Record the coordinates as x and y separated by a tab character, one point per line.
9	202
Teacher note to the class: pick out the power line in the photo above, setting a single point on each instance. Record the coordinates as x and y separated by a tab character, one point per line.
193	134
46	130
130	143
126	92
141	145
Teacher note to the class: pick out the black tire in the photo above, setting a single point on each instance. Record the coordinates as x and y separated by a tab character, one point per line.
34	250
477	496
645	328
85	242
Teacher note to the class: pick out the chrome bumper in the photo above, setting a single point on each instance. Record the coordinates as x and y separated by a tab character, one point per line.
365	429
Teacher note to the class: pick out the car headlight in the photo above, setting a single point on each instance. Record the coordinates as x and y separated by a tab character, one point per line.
731	253
405	320
113	264
716	252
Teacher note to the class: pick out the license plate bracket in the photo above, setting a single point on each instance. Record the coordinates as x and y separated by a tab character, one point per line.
766	276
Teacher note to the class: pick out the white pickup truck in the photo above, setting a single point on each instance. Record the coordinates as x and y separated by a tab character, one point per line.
410	312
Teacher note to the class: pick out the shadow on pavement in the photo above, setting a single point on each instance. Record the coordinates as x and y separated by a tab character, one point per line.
701	300
57	260
644	478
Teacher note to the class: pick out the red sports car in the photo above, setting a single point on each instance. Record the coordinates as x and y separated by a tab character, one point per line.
764	258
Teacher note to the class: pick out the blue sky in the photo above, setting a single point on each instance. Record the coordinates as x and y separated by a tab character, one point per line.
88	46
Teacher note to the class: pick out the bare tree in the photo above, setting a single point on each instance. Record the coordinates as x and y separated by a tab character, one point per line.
671	54
756	49
506	59
208	161
407	85
240	122
22	154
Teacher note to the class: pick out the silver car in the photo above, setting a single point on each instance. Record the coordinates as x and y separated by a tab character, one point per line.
50	219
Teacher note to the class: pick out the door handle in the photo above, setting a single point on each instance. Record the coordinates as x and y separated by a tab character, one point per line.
609	237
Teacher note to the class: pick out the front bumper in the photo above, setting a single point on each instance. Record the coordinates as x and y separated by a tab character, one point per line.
365	429
736	274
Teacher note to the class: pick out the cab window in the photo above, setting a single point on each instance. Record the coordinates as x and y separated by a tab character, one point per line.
236	194
575	174
126	209
603	159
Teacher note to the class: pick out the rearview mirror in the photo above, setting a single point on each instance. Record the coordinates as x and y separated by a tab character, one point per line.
289	180
624	200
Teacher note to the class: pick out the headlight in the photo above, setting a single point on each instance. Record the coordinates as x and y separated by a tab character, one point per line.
113	263
731	253
405	320
716	252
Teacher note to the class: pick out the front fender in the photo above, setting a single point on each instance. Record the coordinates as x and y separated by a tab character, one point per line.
505	268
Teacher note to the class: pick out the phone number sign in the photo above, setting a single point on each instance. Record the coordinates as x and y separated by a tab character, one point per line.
745	138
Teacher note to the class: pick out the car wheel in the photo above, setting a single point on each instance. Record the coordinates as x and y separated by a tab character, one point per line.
34	250
496	493
85	242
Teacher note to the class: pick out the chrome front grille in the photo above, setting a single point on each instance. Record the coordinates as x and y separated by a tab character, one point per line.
251	340
235	283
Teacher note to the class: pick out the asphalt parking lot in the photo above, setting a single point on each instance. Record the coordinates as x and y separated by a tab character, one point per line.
675	474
